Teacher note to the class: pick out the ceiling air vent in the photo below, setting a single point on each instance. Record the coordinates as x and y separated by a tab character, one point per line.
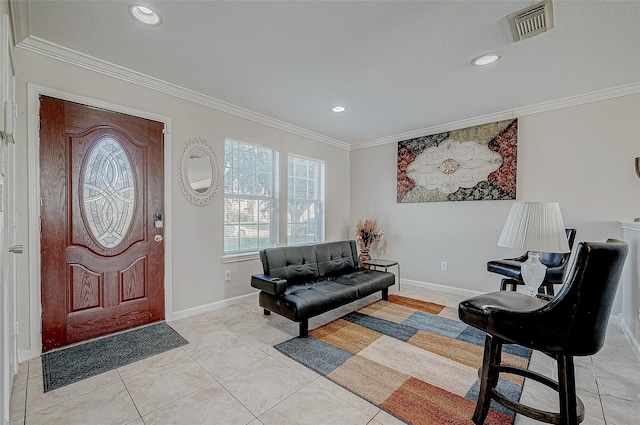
532	21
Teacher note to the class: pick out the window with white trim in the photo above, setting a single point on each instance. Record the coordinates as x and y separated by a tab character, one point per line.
250	197
305	200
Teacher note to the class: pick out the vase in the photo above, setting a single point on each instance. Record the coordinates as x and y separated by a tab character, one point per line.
364	256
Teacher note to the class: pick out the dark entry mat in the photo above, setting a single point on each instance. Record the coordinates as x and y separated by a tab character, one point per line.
68	365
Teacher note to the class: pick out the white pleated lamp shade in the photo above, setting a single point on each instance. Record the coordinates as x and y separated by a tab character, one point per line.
535	226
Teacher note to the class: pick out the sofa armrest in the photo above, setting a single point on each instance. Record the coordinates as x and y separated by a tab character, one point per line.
268	284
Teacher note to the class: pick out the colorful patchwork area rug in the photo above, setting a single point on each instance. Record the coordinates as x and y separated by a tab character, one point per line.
406	359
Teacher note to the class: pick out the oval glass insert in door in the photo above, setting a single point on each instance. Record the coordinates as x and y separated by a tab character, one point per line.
108	192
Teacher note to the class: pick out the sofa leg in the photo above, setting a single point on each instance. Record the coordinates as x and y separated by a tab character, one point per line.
266	312
385	294
304	328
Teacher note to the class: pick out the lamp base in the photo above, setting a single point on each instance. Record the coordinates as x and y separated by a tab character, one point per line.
533	272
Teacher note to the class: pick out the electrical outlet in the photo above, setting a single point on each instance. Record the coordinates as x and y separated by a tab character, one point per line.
444	266
227	275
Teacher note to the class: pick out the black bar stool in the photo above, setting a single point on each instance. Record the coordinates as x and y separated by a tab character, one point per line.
573	323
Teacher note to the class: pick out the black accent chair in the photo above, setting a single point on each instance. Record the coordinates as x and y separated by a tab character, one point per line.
573	323
555	262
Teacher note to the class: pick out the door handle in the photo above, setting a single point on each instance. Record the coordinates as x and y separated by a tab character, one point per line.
16	249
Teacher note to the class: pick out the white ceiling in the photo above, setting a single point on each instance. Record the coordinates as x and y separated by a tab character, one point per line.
397	66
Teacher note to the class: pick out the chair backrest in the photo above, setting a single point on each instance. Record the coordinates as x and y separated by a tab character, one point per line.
554	259
576	318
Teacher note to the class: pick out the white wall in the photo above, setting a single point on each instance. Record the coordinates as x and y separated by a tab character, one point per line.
581	156
197	231
8	353
629	320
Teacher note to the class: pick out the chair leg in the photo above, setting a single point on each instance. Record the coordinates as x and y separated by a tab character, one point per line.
489	375
549	287
513	283
567	390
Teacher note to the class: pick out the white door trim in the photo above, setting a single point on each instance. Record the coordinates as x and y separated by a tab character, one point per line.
33	137
8	284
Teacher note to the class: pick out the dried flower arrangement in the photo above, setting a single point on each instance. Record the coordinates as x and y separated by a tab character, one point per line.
367	232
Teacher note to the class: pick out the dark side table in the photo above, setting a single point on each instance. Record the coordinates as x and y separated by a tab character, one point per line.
378	262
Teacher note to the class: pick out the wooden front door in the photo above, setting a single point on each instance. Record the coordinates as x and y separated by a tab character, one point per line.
102	251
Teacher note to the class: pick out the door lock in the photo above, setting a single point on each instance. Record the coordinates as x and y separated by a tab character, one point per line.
157	219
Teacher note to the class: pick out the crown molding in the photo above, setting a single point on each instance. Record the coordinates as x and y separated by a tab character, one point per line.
63	54
19	11
498	116
624	90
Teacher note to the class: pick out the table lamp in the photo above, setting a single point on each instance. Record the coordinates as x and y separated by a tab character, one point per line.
535	227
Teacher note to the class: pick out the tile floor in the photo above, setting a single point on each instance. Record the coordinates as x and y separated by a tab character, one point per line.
230	374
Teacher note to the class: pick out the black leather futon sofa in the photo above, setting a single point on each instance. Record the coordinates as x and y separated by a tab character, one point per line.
300	282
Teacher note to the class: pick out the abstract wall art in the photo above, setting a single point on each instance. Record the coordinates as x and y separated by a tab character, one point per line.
473	163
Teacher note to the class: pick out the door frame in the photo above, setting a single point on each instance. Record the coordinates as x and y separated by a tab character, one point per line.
33	137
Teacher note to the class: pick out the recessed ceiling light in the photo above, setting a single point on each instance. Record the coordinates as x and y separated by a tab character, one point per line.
338	109
145	14
486	59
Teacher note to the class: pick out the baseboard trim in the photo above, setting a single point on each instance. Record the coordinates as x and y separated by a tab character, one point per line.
633	342
441	288
207	308
26	355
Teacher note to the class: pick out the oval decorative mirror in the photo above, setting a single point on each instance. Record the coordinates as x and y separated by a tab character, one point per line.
198	171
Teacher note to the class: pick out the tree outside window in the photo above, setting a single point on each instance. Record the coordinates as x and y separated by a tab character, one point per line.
305	200
250	197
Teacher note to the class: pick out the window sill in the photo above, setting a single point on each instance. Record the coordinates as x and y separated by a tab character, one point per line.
242	256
